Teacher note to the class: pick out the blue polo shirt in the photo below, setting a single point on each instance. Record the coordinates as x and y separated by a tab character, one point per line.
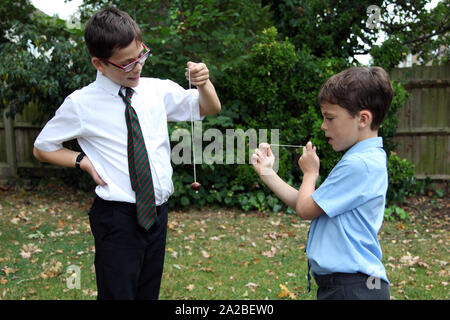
344	238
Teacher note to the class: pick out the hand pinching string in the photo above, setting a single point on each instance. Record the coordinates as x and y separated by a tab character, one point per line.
194	185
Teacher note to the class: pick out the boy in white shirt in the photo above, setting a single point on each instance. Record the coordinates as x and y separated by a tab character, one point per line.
105	117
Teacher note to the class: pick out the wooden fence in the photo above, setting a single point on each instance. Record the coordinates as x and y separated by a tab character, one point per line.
424	127
423	132
16	143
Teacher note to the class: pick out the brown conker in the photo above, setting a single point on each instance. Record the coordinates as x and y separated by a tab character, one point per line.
195	186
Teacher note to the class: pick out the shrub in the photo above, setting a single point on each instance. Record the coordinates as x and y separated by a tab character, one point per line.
402	180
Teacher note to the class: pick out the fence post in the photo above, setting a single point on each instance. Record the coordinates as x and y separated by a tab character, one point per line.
10	143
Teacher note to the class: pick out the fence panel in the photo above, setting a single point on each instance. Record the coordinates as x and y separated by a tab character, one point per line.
424	121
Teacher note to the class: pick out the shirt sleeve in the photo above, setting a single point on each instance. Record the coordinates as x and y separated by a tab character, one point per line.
345	188
64	126
179	102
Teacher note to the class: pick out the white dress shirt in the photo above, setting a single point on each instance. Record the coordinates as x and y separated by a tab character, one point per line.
95	116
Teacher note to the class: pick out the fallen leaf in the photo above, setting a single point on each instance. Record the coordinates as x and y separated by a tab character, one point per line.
52	270
206	254
8	270
172	225
291	274
29	249
271	253
61	224
190	287
286	293
252	286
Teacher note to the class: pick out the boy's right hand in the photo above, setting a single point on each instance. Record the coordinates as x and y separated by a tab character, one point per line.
309	162
87	166
263	160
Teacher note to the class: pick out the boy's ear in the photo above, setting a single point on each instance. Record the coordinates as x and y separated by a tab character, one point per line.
97	64
365	118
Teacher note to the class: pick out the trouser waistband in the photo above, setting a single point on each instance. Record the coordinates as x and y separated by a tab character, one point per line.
128	206
339	278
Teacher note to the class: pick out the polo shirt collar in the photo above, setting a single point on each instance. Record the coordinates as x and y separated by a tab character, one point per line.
361	146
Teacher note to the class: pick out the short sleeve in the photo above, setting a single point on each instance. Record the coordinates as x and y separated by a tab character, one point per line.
345	188
179	102
64	126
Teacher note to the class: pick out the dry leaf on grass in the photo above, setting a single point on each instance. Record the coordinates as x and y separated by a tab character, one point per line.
206	254
286	293
53	269
29	249
271	253
190	287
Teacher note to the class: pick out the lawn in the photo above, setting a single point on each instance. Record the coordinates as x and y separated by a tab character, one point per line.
211	253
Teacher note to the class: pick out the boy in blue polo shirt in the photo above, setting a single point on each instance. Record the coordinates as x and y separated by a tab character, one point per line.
347	210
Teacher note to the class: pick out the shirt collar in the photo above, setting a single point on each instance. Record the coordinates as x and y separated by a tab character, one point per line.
363	145
110	86
107	84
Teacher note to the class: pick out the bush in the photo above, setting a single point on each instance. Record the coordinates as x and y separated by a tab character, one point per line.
280	91
402	182
264	81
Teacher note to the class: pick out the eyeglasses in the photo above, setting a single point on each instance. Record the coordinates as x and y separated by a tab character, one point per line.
130	66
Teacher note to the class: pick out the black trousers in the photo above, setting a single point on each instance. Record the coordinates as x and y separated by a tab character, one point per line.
351	286
128	259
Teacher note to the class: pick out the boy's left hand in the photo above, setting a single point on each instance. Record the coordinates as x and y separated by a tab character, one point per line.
263	160
309	162
199	73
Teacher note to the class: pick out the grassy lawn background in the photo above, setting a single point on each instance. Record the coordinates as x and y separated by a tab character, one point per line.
210	254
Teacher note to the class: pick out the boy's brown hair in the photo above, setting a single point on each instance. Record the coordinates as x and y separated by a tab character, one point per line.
360	88
110	29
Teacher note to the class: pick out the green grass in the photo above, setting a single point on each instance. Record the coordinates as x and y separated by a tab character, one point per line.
210	254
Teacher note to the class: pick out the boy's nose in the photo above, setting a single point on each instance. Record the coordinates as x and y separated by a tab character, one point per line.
138	67
323	127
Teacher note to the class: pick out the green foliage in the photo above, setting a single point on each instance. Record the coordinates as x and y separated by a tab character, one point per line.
413	28
46	62
345	28
13	12
267	60
394	212
389	126
327	28
402	182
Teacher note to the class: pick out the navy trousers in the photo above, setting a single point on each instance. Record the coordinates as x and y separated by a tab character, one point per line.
351	286
128	259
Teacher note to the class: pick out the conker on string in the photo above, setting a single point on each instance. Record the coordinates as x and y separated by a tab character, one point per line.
195	186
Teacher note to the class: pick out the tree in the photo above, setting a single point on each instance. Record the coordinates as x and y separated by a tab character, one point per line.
13	12
412	28
345	28
46	62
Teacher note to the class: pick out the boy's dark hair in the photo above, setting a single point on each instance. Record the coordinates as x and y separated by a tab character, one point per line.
360	88
110	29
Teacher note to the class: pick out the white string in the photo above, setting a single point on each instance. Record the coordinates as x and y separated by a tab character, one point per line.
192	129
286	145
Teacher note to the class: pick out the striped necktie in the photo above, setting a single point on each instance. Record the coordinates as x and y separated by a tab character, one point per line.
138	165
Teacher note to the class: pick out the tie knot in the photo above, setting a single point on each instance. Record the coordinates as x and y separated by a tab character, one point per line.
128	92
